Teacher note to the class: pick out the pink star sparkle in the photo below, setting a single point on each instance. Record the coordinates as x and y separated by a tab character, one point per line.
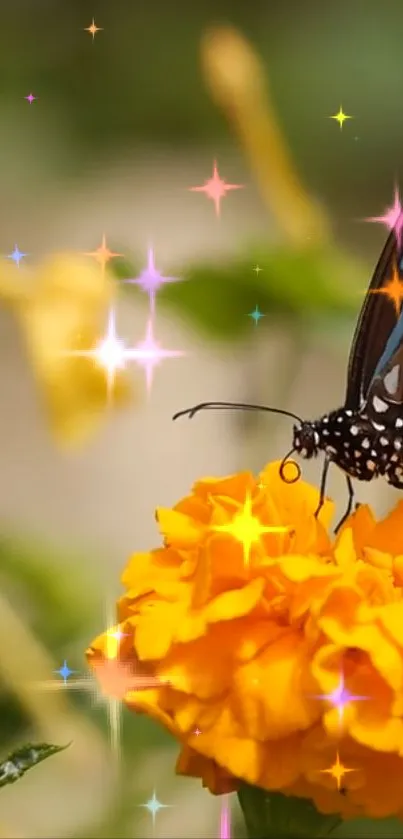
215	188
107	684
340	697
30	98
150	280
225	819
393	217
148	354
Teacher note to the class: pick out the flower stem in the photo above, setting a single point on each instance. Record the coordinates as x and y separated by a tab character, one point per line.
271	815
238	83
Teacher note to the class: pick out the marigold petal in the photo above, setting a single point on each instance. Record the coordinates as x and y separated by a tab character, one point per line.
299	497
162	562
253	637
149	702
179	530
397	565
274	690
302	568
387	534
233	487
214	777
235	604
184	669
391	618
156	630
383	735
369	638
361	523
196	508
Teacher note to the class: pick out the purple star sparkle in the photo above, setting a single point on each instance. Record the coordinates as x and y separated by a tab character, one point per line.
392	218
30	98
340	697
149	354
16	256
151	280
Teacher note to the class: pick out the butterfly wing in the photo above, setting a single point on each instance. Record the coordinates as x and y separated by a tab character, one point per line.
384	400
376	322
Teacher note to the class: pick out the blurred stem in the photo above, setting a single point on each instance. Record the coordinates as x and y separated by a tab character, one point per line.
238	83
24	663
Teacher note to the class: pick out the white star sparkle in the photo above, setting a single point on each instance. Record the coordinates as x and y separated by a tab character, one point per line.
111	353
154	806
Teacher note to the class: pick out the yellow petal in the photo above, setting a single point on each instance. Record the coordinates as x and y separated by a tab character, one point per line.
273	690
178	529
66	311
234	604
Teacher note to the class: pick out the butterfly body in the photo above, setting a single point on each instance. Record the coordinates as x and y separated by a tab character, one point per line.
363	448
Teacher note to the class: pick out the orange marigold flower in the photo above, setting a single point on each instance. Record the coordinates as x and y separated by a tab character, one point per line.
271	650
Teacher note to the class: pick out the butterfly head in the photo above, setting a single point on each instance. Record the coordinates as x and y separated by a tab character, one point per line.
306	439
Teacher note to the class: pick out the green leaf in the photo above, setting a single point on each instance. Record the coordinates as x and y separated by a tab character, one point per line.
17	763
294	285
271	815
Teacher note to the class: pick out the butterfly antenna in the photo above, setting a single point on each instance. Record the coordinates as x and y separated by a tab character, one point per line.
287	461
233	406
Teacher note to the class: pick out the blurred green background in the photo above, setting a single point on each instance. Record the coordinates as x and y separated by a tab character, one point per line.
122	126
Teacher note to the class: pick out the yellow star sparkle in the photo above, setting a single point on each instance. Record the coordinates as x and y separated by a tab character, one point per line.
340	117
93	29
247	528
393	290
103	254
337	771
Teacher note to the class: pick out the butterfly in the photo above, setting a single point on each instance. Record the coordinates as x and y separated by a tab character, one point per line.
365	436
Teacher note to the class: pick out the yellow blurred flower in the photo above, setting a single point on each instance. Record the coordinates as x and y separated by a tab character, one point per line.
61	307
245	654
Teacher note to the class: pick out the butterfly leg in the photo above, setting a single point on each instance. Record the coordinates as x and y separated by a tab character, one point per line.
322	491
350	490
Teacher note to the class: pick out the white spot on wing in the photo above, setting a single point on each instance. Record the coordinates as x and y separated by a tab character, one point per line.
378	426
379	405
391	380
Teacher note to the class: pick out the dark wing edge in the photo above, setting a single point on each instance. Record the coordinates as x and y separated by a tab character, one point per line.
375	322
